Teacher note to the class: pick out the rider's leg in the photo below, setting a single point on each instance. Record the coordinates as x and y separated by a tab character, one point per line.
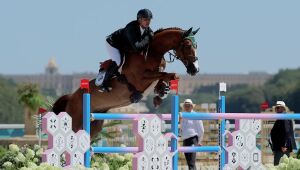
114	53
109	67
111	70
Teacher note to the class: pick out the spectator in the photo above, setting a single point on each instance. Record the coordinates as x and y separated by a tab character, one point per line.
282	135
192	133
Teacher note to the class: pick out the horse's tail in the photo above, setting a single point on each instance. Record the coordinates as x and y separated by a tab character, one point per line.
60	104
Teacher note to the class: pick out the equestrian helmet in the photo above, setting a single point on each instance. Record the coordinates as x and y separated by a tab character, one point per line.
144	13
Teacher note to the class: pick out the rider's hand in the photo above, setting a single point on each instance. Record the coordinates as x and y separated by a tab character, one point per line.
147	38
151	35
283	149
199	144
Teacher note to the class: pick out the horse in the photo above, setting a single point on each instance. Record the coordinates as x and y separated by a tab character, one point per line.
142	72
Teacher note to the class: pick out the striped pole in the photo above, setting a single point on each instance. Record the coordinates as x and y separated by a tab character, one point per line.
86	126
237	116
221	135
174	127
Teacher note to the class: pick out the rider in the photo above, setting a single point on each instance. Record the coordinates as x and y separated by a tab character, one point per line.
136	37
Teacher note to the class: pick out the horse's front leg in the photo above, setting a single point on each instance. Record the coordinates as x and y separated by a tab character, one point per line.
162	87
153	76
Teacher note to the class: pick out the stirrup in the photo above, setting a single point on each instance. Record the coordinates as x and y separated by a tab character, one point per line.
100	78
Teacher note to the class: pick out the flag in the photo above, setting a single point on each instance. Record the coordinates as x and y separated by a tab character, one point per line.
84	84
42	110
174	85
264	105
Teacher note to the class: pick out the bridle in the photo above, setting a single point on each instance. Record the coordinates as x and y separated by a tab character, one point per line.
173	55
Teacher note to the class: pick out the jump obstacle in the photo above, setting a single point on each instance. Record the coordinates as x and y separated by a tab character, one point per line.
174	117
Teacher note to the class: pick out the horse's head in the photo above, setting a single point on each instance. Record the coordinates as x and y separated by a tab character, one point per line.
186	51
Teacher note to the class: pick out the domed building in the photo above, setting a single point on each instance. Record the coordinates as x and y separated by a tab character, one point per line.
51	68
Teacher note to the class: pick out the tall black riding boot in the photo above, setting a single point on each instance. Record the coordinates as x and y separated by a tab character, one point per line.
110	72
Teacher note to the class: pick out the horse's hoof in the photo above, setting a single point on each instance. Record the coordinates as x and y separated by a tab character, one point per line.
162	89
163	95
136	97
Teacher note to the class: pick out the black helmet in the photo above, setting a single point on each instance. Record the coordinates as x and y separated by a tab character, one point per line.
144	13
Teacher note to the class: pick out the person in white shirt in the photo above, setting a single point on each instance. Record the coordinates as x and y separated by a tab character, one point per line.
192	133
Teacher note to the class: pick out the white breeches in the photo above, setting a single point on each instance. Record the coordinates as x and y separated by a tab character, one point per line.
113	53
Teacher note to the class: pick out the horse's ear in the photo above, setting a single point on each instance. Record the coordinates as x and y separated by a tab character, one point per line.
188	32
195	32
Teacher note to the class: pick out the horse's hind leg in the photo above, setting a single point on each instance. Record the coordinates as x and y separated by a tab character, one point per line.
60	104
96	127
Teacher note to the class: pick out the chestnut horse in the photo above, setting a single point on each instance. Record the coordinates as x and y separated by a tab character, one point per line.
140	71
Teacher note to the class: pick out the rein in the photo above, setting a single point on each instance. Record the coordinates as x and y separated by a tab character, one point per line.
170	57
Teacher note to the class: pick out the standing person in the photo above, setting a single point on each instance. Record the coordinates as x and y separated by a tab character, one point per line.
282	135
136	36
192	133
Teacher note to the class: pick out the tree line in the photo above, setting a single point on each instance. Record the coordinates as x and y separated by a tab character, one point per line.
285	85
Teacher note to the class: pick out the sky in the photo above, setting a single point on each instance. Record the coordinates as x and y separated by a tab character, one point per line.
235	36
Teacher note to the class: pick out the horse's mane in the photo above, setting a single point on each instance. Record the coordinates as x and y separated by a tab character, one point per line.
165	29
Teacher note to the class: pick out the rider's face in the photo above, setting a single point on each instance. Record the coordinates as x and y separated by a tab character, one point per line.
144	22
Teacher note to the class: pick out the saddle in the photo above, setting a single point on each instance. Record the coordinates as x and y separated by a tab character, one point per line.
136	95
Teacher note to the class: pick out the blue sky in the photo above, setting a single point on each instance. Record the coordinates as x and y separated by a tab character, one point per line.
235	36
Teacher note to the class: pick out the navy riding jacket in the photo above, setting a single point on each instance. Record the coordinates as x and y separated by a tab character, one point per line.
130	38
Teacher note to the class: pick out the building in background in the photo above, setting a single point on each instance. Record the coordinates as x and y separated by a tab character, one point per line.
52	80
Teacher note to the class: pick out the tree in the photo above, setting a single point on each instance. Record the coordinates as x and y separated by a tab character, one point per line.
294	99
10	109
284	86
245	100
30	97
